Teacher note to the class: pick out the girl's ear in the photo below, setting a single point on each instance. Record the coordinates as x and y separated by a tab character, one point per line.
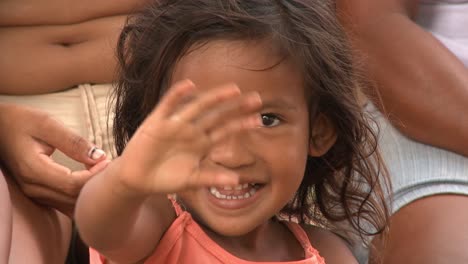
322	136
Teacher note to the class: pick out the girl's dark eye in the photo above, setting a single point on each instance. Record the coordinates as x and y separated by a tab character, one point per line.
269	120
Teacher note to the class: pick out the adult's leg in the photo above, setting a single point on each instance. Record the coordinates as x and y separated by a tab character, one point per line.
430	230
430	201
39	234
5	220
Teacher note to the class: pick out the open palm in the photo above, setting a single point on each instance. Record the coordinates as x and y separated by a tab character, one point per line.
165	154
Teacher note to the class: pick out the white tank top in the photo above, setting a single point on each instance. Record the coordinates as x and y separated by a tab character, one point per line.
447	20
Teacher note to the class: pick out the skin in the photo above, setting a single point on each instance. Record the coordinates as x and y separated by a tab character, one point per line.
66	52
229	144
62	12
423	95
438	94
36	136
31	227
37	233
48	46
5	220
429	230
55	44
30	233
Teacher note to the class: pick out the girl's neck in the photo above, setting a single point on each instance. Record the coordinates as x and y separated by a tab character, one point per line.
272	241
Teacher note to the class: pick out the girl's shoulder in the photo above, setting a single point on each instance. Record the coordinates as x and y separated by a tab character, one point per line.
331	247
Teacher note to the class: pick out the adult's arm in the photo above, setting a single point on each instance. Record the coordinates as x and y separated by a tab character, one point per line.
422	85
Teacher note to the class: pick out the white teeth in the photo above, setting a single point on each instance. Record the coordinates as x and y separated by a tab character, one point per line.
237	187
214	191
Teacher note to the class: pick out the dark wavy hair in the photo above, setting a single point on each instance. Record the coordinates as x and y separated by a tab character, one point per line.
349	182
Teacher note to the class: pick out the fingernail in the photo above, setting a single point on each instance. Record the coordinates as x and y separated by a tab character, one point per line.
96	153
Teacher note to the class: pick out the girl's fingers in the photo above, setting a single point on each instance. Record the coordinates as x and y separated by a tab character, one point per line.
174	96
207	102
237	125
234	111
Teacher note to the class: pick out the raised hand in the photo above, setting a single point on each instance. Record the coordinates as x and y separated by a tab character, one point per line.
165	153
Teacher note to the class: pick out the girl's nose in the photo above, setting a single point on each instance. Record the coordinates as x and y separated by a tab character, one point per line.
231	153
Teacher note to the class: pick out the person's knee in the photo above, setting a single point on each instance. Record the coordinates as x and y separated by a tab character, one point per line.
430	230
38	232
5	220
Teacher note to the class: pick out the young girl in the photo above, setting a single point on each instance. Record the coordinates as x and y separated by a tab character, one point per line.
243	112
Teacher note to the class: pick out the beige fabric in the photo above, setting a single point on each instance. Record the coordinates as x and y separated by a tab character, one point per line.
84	109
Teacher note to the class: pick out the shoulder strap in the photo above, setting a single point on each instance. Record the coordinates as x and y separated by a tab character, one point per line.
303	238
177	208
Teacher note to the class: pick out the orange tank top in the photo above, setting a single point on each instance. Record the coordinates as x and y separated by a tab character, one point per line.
186	242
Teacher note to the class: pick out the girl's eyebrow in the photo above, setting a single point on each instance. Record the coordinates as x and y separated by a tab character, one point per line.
280	104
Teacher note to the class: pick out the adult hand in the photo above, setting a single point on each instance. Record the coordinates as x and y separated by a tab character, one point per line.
27	139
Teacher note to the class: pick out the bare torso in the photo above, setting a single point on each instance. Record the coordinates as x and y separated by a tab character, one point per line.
51	45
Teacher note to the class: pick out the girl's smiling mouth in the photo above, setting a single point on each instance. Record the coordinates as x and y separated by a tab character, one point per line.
234	197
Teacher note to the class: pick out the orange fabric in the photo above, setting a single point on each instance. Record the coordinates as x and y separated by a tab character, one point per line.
186	242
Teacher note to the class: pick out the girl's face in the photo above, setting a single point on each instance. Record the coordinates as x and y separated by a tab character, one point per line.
271	159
